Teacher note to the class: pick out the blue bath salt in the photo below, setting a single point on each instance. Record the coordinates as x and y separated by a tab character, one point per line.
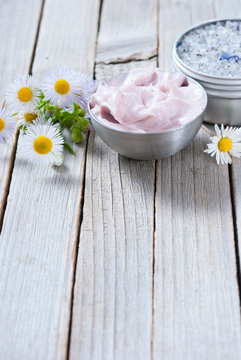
227	56
213	49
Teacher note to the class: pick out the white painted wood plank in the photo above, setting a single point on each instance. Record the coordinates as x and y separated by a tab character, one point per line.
196	295
112	299
128	31
37	247
232	9
236	179
104	71
227	9
196	302
112	314
17	33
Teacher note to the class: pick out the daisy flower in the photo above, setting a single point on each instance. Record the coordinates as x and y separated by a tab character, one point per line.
7	125
22	93
225	143
64	86
43	142
26	118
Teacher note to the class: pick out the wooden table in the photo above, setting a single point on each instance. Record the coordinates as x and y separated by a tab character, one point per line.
106	257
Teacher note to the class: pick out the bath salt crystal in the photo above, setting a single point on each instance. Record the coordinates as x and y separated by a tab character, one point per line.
213	49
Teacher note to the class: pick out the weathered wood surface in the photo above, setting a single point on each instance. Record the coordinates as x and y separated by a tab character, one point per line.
196	299
232	9
128	31
196	309
155	276
41	223
112	313
112	301
17	33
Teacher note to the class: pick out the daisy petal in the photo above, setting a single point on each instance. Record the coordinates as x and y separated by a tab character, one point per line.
218	157
7	125
64	86
43	142
225	144
22	93
218	132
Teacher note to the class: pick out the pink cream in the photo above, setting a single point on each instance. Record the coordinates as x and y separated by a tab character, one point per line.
147	100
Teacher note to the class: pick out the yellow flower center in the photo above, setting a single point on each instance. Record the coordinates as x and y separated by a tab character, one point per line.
25	94
62	86
2	124
29	117
42	145
225	144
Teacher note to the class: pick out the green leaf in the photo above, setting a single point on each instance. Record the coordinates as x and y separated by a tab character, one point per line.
75	109
68	121
69	148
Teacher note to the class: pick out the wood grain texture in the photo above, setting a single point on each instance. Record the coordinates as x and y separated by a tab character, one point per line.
193	310
37	247
104	71
227	9
17	33
223	10
196	296
196	301
112	300
112	313
128	31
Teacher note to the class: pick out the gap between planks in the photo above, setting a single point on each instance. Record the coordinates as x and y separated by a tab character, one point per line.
80	215
154	209
232	195
124	61
11	166
235	230
81	209
128	60
207	128
154	201
153	256
15	141
81	218
76	248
